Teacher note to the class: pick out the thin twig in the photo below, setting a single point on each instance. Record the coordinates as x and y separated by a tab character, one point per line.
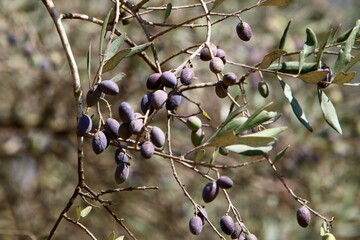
81	226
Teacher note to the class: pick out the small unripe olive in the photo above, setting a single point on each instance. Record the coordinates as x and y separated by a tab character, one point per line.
263	89
193	123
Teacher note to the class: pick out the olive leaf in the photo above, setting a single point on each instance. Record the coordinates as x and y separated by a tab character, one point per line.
115	46
321	48
78	212
314	77
278	3
115	60
342	77
299	113
118	77
352	62
85	211
103	31
111	236
293	67
271	57
280	154
283	37
199	155
248	150
329	111
88	61
138	49
167	11
310	43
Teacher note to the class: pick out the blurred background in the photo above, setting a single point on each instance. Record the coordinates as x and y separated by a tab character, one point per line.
38	155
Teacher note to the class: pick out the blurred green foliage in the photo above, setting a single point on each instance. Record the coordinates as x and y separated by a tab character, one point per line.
38	119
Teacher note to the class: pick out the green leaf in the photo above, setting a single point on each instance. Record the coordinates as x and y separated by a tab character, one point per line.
269	132
329	111
345	35
138	49
229	126
216	4
283	38
295	105
103	31
205	114
115	46
118	77
352	62
120	238
167	11
88	61
78	212
293	67
280	154
314	77
214	155
310	43
342	60
301	61
234	114
271	57
249	151
278	3
112	236
255	120
199	155
322	46
115	60
85	211
342	77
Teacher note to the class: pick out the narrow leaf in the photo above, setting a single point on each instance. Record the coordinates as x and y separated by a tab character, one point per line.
112	236
255	120
214	155
283	38
293	67
118	77
199	155
352	62
278	3
167	11
271	57
345	35
234	114
249	151
342	77
269	132
205	114
314	77
86	211
78	212
138	49
115	60
115	46
301	61
321	48
216	4
88	62
344	57
295	105
280	154
341	62
329	111
103	31
310	43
